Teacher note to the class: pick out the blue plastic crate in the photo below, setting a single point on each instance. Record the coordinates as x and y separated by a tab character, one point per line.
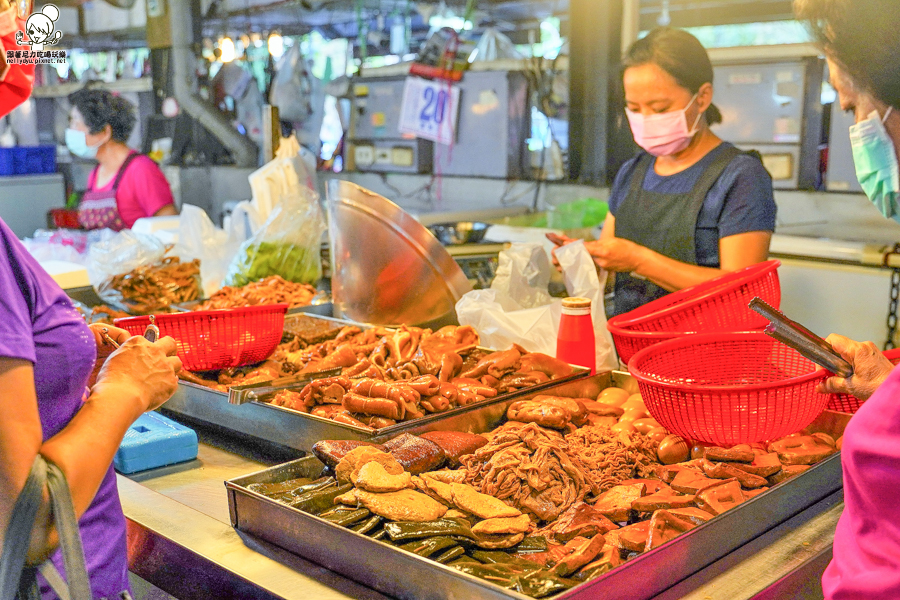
155	441
7	161
28	160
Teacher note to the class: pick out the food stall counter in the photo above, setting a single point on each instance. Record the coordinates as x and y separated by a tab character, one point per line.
180	539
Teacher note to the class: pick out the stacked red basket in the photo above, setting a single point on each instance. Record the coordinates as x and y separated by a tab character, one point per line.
719	304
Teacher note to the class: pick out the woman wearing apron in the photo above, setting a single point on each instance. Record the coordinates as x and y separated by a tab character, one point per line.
125	186
689	207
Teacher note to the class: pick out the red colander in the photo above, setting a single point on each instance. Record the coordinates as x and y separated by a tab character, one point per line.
719	304
846	403
218	339
728	388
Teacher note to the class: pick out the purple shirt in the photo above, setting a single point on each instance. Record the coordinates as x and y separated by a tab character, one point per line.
39	324
866	563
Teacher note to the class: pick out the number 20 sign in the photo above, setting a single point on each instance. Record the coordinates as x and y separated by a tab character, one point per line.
430	109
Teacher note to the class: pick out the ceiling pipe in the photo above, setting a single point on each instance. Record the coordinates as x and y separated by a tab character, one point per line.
242	149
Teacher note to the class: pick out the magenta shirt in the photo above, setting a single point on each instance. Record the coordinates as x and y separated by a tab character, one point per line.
866	563
142	191
39	324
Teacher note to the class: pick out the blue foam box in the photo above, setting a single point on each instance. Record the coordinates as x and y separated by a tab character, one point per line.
155	441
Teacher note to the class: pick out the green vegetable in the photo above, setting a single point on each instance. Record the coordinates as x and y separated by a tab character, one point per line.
320	500
367	525
345	518
496	556
450	554
257	260
534	543
405	530
429	546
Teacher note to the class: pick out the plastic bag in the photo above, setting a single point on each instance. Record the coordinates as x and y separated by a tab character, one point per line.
494	45
70	245
517	308
288	244
199	238
292	87
124	252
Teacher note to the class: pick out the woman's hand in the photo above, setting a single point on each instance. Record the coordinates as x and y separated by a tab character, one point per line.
615	254
143	369
560	239
104	348
870	368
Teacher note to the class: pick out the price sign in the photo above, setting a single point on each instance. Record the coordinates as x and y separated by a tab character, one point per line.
430	110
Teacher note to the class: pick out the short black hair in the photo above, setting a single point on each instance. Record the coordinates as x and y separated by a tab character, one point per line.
679	54
100	108
863	37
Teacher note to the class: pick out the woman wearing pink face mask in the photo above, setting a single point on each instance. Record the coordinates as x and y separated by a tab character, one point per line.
689	207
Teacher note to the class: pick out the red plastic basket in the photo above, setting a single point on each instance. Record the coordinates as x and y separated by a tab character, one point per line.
728	388
217	339
719	304
846	403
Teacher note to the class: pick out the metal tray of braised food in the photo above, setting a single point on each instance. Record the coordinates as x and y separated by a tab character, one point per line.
401	568
255	409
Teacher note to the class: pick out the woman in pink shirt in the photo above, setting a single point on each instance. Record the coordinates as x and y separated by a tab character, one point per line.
863	50
125	186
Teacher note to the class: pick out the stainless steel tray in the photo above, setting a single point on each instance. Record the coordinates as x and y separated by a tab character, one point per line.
301	430
405	575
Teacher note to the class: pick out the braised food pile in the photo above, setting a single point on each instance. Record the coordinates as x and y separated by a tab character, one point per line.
389	376
154	288
270	290
526	506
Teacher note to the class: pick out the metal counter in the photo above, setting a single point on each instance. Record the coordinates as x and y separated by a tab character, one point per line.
180	539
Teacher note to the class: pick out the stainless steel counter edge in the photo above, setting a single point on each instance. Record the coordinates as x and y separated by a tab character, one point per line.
192	555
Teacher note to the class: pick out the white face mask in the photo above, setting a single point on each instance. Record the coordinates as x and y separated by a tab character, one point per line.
663	134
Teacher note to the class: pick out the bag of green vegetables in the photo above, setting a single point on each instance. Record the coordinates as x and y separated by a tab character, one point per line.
288	244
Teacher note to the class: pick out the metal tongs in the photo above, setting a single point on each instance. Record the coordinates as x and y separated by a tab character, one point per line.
151	333
796	336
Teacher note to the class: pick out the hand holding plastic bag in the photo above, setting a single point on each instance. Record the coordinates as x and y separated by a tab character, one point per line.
288	244
518	309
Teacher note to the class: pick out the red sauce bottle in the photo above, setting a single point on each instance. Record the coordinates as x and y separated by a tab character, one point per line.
575	340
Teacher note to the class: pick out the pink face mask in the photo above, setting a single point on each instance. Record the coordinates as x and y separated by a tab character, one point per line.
663	134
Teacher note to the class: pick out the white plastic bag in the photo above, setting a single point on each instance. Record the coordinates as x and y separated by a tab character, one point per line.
199	238
518	309
291	88
124	252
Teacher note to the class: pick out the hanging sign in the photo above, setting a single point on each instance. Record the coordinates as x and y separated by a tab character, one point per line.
430	110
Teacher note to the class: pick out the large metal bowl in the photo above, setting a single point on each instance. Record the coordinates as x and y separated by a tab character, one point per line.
460	232
387	269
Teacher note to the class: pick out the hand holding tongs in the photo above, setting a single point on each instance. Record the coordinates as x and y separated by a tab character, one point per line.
151	334
796	336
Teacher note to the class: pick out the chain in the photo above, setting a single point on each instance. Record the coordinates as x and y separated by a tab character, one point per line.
894	301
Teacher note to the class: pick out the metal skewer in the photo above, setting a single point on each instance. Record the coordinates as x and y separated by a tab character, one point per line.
801	339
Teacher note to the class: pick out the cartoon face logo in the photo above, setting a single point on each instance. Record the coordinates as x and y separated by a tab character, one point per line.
39	27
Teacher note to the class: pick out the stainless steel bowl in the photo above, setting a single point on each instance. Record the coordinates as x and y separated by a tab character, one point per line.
386	268
460	232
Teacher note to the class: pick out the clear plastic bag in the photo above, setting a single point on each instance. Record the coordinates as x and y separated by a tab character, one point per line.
517	308
199	238
124	252
288	244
